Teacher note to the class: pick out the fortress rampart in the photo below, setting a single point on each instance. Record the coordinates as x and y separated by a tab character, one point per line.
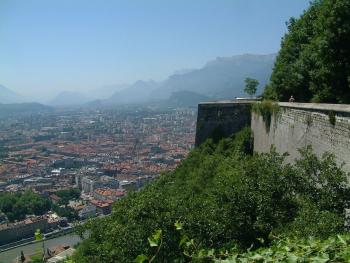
222	117
326	127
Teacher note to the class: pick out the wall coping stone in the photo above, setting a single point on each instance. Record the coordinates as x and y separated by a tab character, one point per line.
226	102
296	105
317	106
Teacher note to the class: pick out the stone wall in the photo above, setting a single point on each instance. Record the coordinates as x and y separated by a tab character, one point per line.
326	127
221	118
20	230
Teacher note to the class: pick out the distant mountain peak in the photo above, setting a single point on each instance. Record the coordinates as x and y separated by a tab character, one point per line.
69	98
9	96
182	71
221	78
22	108
246	56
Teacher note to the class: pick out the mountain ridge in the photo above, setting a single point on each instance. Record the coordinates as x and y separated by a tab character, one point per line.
9	109
9	96
220	78
69	98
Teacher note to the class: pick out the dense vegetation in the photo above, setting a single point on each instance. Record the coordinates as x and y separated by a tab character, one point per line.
224	196
266	109
314	61
67	195
17	205
62	209
335	249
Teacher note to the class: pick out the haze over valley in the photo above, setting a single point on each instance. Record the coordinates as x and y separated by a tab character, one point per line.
221	78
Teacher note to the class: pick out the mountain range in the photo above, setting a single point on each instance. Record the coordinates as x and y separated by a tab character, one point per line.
69	98
10	109
9	96
222	78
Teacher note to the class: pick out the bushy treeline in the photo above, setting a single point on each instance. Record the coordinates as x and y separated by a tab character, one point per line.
224	196
313	63
17	205
68	194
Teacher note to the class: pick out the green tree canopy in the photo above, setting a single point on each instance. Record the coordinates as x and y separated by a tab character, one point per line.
251	86
314	61
67	195
17	205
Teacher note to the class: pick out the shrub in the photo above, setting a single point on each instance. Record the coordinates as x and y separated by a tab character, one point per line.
266	109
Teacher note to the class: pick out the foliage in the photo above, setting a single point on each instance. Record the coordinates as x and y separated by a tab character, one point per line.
266	109
251	86
37	235
38	258
223	197
68	212
17	205
67	195
67	260
39	255
281	249
333	249
313	63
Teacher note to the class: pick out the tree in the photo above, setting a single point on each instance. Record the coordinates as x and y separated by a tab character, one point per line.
313	63
40	256
251	86
17	205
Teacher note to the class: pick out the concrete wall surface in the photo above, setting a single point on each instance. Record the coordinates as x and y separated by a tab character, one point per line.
297	125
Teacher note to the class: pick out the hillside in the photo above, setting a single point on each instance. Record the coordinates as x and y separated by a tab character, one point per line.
220	78
22	108
221	197
183	99
9	96
69	98
138	92
105	91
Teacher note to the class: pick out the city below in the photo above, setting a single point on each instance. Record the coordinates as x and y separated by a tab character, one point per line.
80	162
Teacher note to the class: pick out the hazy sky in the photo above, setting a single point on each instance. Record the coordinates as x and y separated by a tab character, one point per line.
51	45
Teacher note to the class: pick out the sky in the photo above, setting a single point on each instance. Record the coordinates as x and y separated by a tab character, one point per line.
47	46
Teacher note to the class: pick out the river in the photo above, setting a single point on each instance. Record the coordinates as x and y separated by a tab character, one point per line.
10	255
